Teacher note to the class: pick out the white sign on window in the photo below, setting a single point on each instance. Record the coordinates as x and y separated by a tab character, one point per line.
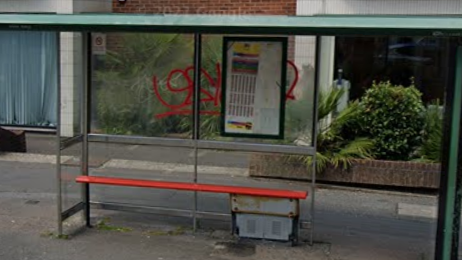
99	43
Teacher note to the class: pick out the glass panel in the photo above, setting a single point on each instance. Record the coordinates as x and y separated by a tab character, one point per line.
142	85
378	166
253	170
70	129
143	162
384	198
396	89
401	60
71	191
299	94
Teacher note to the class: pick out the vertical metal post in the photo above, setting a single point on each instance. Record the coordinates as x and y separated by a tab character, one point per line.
84	117
315	134
196	114
58	136
449	207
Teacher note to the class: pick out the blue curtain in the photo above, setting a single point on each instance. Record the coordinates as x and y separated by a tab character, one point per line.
28	78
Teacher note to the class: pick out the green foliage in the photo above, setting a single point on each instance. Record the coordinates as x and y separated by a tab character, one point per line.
332	147
211	55
126	103
430	150
51	234
103	225
175	232
393	117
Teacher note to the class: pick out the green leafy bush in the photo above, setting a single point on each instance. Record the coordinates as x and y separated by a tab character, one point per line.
432	135
393	117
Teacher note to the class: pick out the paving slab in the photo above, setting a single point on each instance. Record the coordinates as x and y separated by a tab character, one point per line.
417	210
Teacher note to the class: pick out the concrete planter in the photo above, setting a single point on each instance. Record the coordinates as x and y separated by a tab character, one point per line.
12	141
370	172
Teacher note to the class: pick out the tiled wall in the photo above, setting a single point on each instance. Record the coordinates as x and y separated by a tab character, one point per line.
72	71
71	82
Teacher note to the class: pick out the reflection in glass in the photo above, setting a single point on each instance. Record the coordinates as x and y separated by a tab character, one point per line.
139	81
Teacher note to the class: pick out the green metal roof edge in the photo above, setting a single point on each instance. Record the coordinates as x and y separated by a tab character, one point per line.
435	25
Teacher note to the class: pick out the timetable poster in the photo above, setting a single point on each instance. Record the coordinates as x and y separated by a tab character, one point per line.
253	98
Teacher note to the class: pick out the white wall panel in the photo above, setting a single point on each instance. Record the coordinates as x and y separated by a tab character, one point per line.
28	6
391	7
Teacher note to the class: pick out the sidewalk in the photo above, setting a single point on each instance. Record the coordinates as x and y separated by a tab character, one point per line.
350	224
26	233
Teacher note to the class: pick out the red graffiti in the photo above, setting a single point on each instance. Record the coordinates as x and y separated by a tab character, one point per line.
290	93
211	95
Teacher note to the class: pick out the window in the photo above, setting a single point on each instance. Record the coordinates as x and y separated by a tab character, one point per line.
400	60
28	78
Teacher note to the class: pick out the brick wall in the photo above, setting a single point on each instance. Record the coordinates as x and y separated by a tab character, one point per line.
242	7
364	172
206	7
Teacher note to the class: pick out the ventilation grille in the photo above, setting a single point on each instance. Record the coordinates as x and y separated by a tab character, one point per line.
276	228
251	226
264	227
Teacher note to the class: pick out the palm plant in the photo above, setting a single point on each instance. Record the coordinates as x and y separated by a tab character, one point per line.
333	147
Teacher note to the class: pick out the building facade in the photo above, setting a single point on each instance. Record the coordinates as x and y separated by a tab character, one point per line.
352	55
32	103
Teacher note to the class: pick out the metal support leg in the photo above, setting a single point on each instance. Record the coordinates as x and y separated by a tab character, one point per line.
196	117
84	123
195	193
58	138
315	136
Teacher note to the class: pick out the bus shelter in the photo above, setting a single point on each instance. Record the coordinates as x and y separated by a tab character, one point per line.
239	33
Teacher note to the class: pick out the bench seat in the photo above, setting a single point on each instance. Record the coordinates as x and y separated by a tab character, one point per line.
275	193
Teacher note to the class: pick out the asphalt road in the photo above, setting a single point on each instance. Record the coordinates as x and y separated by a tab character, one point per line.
357	224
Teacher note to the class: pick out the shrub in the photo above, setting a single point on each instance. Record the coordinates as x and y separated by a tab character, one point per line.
393	117
430	150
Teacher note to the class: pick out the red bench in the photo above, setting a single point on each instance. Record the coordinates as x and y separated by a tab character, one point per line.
193	187
248	205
